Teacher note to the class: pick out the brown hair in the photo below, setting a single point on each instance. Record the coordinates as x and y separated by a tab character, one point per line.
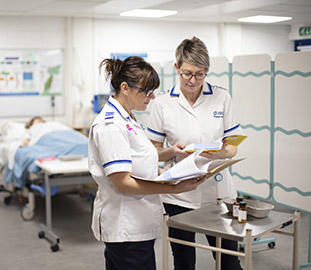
32	120
132	70
192	51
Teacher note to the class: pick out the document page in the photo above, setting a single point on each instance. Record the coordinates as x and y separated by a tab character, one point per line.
217	145
193	166
190	167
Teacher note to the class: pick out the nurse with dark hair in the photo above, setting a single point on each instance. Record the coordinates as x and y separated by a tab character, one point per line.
127	212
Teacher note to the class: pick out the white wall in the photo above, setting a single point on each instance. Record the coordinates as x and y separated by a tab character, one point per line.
268	39
32	33
94	39
159	39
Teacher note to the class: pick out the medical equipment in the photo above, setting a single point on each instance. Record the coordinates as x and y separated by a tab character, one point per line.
98	102
255	208
215	221
22	175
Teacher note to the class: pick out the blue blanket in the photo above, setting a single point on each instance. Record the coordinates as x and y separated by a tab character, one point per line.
55	143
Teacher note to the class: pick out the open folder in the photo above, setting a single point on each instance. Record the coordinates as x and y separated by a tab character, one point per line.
193	166
217	145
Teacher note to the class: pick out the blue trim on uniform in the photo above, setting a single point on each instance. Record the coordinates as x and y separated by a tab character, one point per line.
113	106
230	129
210	92
156	132
117	161
109	117
172	93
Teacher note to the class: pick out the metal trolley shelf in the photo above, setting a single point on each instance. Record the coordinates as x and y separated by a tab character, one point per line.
215	221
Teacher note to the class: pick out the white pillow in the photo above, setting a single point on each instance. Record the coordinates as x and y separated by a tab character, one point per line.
12	131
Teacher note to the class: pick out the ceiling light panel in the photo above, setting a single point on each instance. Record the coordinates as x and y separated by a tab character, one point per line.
148	13
264	19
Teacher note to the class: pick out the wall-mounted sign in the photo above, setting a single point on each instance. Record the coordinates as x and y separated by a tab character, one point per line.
304	31
31	72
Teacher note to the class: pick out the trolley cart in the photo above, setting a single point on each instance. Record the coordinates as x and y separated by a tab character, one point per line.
215	221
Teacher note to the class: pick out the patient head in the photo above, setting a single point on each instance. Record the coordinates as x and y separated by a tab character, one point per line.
33	121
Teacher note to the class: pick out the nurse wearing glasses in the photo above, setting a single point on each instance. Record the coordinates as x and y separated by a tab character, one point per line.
127	212
194	111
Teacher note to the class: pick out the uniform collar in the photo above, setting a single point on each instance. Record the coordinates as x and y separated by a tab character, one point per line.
116	106
207	90
176	92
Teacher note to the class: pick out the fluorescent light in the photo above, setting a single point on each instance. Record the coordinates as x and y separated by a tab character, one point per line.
150	13
264	19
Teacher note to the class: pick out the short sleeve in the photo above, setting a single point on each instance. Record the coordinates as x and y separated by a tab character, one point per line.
155	129
113	148
231	126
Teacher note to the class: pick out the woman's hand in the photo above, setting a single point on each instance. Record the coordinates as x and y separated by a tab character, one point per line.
178	150
126	184
190	184
165	154
227	151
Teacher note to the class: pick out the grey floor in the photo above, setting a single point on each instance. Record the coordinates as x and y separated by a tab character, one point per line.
20	247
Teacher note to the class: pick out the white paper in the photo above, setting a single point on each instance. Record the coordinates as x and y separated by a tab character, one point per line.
215	146
190	167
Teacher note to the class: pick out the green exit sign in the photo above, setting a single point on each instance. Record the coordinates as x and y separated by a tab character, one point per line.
305	31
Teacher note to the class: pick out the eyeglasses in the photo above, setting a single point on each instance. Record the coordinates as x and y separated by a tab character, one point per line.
148	93
188	75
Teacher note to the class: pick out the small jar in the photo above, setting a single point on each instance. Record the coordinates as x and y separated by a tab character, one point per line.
235	207
219	201
242	213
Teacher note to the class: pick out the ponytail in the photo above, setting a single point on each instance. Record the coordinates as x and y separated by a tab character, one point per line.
112	70
132	70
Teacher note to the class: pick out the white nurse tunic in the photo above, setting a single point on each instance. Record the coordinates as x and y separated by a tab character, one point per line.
117	143
173	120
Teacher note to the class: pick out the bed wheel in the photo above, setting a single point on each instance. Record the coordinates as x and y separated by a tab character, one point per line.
2	188
54	248
41	234
27	214
271	245
7	200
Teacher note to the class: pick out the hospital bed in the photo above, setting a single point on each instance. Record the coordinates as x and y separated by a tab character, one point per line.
11	136
20	172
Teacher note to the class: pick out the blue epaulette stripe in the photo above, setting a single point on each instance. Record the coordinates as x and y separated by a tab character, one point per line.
110	117
156	132
233	128
109	113
173	94
117	161
210	90
114	107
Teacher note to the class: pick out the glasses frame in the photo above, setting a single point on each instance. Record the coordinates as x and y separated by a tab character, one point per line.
192	75
148	93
